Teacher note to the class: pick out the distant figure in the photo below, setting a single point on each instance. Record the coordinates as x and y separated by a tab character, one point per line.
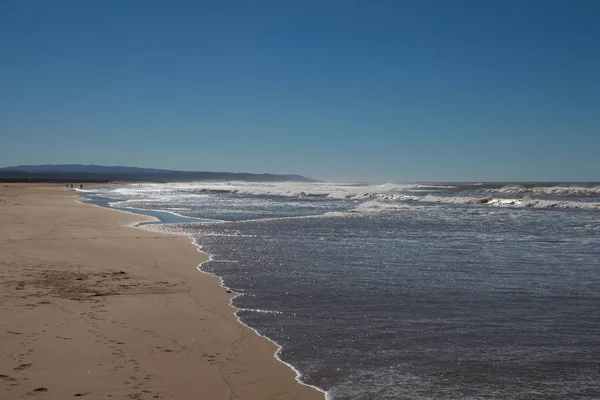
71	186
67	185
80	186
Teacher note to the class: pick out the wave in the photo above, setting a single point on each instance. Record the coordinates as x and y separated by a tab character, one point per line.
472	200
373	198
576	205
317	190
384	206
177	191
558	190
514	202
360	191
379	205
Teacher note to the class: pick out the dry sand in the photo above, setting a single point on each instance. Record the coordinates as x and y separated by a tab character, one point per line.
92	307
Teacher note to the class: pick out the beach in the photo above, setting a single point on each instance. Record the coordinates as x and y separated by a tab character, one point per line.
405	291
94	307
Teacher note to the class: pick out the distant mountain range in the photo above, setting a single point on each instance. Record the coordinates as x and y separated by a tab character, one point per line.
100	173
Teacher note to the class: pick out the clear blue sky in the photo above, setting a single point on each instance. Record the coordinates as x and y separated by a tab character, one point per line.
333	89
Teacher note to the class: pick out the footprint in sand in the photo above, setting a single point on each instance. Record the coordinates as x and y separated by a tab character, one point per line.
22	367
38	390
7	378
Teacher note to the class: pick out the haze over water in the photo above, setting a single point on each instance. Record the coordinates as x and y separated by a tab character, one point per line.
437	291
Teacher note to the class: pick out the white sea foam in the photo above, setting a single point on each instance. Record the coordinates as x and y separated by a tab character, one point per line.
380	205
168	191
260	311
575	205
124	205
231	234
514	202
471	200
372	197
558	190
295	189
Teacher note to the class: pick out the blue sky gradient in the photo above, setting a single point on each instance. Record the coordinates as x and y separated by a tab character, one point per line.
336	89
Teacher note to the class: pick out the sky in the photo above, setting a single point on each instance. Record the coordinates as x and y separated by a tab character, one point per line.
340	90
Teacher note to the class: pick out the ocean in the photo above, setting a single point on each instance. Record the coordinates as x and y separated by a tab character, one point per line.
404	291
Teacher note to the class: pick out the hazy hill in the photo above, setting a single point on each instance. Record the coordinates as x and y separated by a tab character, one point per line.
100	173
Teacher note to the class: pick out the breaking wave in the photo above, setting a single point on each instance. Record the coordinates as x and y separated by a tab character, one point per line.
515	202
559	190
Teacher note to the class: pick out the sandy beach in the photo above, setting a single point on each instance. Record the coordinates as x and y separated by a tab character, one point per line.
93	307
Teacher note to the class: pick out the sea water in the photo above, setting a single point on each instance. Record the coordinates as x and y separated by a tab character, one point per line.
392	291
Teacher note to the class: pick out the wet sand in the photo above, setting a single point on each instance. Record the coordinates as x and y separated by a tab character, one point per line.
92	307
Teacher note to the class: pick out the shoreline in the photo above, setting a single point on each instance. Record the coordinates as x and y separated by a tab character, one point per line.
96	307
279	347
157	221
